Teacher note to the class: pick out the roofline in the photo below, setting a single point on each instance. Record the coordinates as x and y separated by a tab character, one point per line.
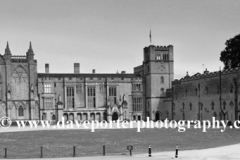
87	75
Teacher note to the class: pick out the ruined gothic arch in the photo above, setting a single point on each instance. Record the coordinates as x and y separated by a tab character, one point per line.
19	88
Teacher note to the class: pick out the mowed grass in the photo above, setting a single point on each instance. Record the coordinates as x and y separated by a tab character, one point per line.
59	143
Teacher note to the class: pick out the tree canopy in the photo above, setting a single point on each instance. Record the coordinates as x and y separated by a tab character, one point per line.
230	56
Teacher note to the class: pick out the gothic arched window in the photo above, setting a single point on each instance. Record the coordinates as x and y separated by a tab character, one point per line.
206	90
20	86
162	79
224	105
183	105
212	104
20	111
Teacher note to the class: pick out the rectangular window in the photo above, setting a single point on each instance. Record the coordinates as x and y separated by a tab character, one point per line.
47	88
70	97
92	97
137	103
48	104
113	95
134	104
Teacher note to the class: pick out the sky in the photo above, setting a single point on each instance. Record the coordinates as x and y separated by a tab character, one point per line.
109	35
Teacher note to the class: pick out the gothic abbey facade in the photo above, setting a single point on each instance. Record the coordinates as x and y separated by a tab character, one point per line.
150	91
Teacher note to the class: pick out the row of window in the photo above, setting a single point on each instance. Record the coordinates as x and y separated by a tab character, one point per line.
200	104
206	91
137	87
70	78
91	92
165	56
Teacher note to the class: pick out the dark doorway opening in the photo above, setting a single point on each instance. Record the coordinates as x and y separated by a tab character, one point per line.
157	117
139	117
115	116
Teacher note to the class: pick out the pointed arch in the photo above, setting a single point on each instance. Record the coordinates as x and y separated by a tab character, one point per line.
21	111
206	90
212	104
183	105
162	79
224	105
158	115
20	74
190	106
20	84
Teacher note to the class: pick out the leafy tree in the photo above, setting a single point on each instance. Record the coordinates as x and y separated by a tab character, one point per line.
230	56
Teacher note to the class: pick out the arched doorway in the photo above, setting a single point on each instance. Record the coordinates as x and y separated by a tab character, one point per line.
65	115
115	116
44	117
139	118
157	116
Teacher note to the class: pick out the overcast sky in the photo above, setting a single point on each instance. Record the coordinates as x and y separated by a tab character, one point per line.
109	35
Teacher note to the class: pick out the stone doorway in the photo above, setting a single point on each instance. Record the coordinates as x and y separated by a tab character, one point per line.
157	116
115	116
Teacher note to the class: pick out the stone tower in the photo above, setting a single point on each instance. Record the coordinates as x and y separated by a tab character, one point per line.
18	79
158	75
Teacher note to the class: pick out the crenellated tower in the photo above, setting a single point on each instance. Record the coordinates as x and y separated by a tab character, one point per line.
158	68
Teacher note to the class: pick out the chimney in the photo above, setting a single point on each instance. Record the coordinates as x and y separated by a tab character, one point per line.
93	71
46	68
76	68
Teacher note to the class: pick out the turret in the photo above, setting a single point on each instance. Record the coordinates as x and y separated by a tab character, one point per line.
8	53
30	53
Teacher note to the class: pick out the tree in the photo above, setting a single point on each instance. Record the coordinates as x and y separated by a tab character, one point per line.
230	56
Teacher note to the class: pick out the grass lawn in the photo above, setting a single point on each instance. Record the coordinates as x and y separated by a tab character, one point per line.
59	143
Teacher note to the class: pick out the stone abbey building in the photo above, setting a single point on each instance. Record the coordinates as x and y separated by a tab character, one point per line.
150	91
